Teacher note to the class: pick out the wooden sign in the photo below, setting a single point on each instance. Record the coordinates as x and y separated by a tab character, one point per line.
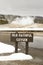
22	37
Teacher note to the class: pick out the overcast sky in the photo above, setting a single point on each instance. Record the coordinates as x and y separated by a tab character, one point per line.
21	7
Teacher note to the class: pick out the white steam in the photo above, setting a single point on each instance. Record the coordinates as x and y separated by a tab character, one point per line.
23	21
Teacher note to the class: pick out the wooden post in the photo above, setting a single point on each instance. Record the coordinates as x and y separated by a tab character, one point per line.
26	47
16	47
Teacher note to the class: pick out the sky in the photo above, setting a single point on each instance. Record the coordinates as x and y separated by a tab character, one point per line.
21	7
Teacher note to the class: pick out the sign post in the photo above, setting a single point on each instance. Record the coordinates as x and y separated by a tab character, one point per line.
21	37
